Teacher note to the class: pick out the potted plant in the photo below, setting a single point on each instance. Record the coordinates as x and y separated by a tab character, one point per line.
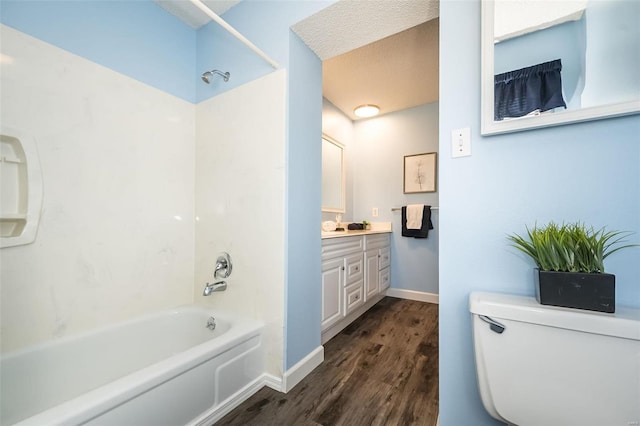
570	260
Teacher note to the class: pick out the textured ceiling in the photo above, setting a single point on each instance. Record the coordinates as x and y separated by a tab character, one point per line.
190	14
395	73
349	24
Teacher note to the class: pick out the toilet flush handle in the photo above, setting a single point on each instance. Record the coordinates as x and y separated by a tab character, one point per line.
493	324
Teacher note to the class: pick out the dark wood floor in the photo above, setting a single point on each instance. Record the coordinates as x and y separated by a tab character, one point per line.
381	370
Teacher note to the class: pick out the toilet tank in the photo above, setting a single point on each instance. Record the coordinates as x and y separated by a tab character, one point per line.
546	365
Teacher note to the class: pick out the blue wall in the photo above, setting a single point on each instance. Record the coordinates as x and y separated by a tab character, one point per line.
382	143
588	172
136	38
304	190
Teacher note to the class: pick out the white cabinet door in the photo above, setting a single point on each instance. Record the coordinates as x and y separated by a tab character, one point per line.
385	257
332	291
370	273
385	278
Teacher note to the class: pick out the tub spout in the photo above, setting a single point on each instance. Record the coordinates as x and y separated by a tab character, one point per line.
210	288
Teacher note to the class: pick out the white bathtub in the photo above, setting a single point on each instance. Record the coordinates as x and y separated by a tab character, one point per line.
161	369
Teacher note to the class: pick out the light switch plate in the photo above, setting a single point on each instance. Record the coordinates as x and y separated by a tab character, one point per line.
461	142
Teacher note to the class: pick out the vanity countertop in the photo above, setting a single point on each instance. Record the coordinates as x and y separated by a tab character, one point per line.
377	228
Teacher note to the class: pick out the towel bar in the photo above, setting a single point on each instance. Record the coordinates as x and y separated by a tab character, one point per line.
393	209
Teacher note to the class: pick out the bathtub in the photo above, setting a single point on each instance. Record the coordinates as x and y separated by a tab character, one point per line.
162	369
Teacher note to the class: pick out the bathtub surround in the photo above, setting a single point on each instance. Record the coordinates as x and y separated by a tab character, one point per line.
116	233
134	191
239	203
302	172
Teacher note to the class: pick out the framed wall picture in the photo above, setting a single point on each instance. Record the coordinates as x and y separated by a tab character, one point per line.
420	173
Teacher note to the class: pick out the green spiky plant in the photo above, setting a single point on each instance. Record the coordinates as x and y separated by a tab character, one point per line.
570	247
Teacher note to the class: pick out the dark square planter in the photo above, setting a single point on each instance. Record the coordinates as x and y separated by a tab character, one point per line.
593	292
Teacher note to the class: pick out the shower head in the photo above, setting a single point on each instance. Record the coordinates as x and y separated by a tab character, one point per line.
208	76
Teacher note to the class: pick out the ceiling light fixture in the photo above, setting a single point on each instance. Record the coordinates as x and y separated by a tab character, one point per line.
366	111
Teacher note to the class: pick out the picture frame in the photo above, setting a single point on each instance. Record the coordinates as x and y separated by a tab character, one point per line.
420	173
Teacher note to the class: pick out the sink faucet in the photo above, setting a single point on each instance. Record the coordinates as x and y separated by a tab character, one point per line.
217	286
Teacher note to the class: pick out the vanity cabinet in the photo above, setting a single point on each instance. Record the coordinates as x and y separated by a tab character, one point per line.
342	278
355	272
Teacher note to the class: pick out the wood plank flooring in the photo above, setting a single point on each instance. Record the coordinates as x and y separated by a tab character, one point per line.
381	370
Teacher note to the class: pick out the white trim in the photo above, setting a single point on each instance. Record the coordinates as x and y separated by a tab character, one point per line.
295	374
273	382
420	296
215	413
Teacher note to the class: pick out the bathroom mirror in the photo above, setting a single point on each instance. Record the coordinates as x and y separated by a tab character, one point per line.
333	176
598	43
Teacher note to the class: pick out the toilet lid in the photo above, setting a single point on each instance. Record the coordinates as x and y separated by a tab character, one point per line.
625	323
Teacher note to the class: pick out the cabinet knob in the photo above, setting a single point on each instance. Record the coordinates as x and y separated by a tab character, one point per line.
343	268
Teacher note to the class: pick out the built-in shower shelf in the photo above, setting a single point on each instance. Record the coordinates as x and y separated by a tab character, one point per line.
12	227
11	160
20	188
12	216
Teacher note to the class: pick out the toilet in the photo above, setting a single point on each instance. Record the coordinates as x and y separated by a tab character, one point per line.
545	365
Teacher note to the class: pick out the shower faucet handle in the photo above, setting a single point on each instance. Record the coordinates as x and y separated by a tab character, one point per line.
223	266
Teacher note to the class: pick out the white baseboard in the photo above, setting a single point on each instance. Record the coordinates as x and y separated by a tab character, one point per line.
295	374
420	296
273	382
